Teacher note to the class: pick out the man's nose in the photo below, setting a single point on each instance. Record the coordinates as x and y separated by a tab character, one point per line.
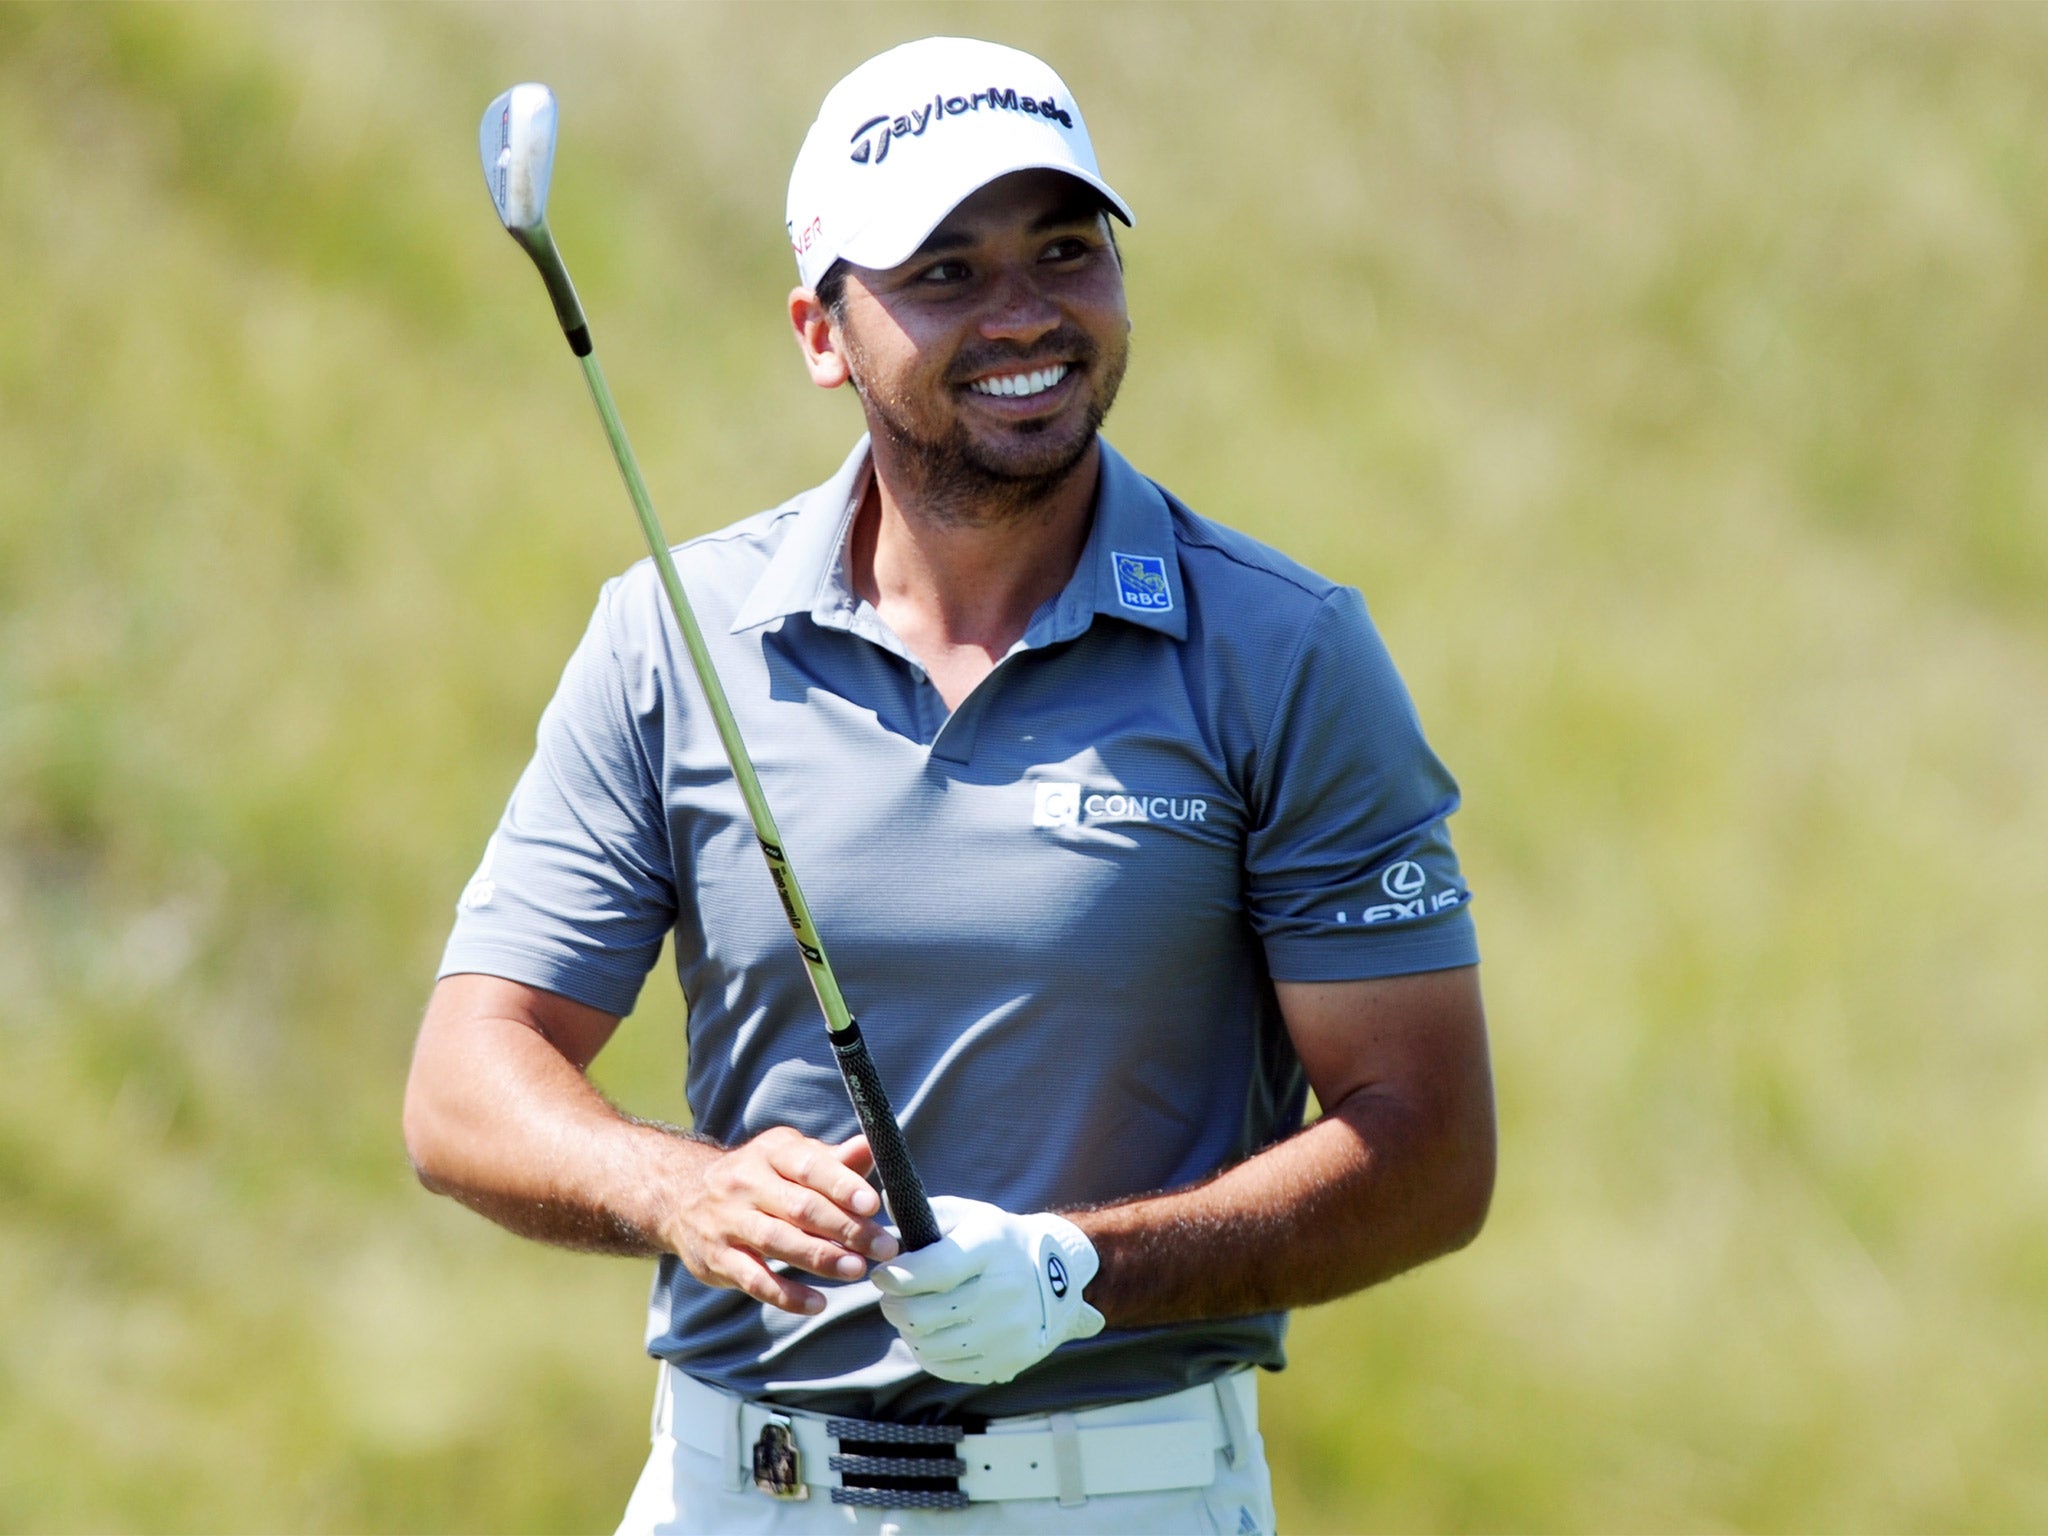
1019	309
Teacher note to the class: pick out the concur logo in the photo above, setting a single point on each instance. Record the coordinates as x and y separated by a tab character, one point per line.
1145	808
1063	805
1056	805
871	140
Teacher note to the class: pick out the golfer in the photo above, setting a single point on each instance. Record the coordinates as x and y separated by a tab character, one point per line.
1123	834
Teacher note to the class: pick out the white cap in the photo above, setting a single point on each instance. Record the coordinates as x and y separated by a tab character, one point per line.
911	134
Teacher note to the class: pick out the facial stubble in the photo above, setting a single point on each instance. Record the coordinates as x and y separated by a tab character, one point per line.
956	479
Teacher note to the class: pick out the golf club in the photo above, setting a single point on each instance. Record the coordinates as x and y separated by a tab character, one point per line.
517	142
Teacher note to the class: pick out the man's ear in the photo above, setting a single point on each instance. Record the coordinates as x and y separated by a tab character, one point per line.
818	339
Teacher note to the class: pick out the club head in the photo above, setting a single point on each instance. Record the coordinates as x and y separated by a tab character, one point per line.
517	142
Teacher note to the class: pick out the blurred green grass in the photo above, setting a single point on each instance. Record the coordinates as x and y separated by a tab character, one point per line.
1671	379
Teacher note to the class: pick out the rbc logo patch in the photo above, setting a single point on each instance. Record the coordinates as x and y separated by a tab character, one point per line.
1141	582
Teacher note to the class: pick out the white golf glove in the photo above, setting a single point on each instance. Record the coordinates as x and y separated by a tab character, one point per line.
994	1296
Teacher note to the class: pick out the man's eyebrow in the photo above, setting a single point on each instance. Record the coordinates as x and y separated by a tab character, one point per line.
940	241
1078	209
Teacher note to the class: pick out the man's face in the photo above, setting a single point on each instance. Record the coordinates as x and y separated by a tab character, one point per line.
992	355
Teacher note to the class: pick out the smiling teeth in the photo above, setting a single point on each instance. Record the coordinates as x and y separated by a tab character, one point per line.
1033	383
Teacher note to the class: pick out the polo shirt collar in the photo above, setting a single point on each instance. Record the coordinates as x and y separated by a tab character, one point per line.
807	572
1129	569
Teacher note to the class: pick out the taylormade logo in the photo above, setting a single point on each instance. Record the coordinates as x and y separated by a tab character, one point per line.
1064	805
871	140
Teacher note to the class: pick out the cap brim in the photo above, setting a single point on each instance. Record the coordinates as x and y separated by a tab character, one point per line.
880	249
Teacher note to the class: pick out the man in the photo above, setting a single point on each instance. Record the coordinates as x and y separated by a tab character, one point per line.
1123	834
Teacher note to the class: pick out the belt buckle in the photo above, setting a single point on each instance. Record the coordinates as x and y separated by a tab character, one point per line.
778	1468
897	1466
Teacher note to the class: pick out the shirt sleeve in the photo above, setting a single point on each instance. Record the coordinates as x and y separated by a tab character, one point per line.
1348	865
577	885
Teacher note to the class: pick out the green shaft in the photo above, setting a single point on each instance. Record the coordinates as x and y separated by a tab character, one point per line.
798	910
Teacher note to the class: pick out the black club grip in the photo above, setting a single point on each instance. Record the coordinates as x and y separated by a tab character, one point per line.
907	1202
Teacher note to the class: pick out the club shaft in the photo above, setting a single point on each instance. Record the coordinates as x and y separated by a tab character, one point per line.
837	1015
900	1182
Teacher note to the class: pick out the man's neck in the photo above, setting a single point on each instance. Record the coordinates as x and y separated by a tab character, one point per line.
960	588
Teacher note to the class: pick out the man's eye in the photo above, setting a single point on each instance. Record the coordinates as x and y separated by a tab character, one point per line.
1069	249
944	272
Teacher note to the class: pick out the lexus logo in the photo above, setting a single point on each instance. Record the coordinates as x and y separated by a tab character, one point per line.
1403	880
1056	1272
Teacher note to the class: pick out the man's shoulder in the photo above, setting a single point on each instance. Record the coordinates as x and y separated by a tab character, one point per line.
1222	565
718	568
721	569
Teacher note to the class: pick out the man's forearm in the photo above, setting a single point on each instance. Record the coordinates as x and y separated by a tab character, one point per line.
610	1211
511	1129
499	1115
1368	1191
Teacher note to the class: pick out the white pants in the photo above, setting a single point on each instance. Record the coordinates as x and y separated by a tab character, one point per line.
685	1490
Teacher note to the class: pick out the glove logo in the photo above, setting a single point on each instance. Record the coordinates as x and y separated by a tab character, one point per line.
1056	1272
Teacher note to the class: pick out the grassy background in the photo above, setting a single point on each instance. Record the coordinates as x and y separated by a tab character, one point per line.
1672	380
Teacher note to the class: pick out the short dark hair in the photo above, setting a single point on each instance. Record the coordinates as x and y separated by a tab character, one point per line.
831	290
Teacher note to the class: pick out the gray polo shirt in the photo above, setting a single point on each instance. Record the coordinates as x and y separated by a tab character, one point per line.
1057	910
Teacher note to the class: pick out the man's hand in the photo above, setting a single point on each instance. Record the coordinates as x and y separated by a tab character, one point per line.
994	1296
781	1198
499	1115
1399	1169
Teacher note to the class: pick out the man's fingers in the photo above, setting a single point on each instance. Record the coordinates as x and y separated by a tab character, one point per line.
926	1317
786	1199
859	1156
811	1212
774	1238
938	1268
817	1166
744	1271
955	1348
829	1174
